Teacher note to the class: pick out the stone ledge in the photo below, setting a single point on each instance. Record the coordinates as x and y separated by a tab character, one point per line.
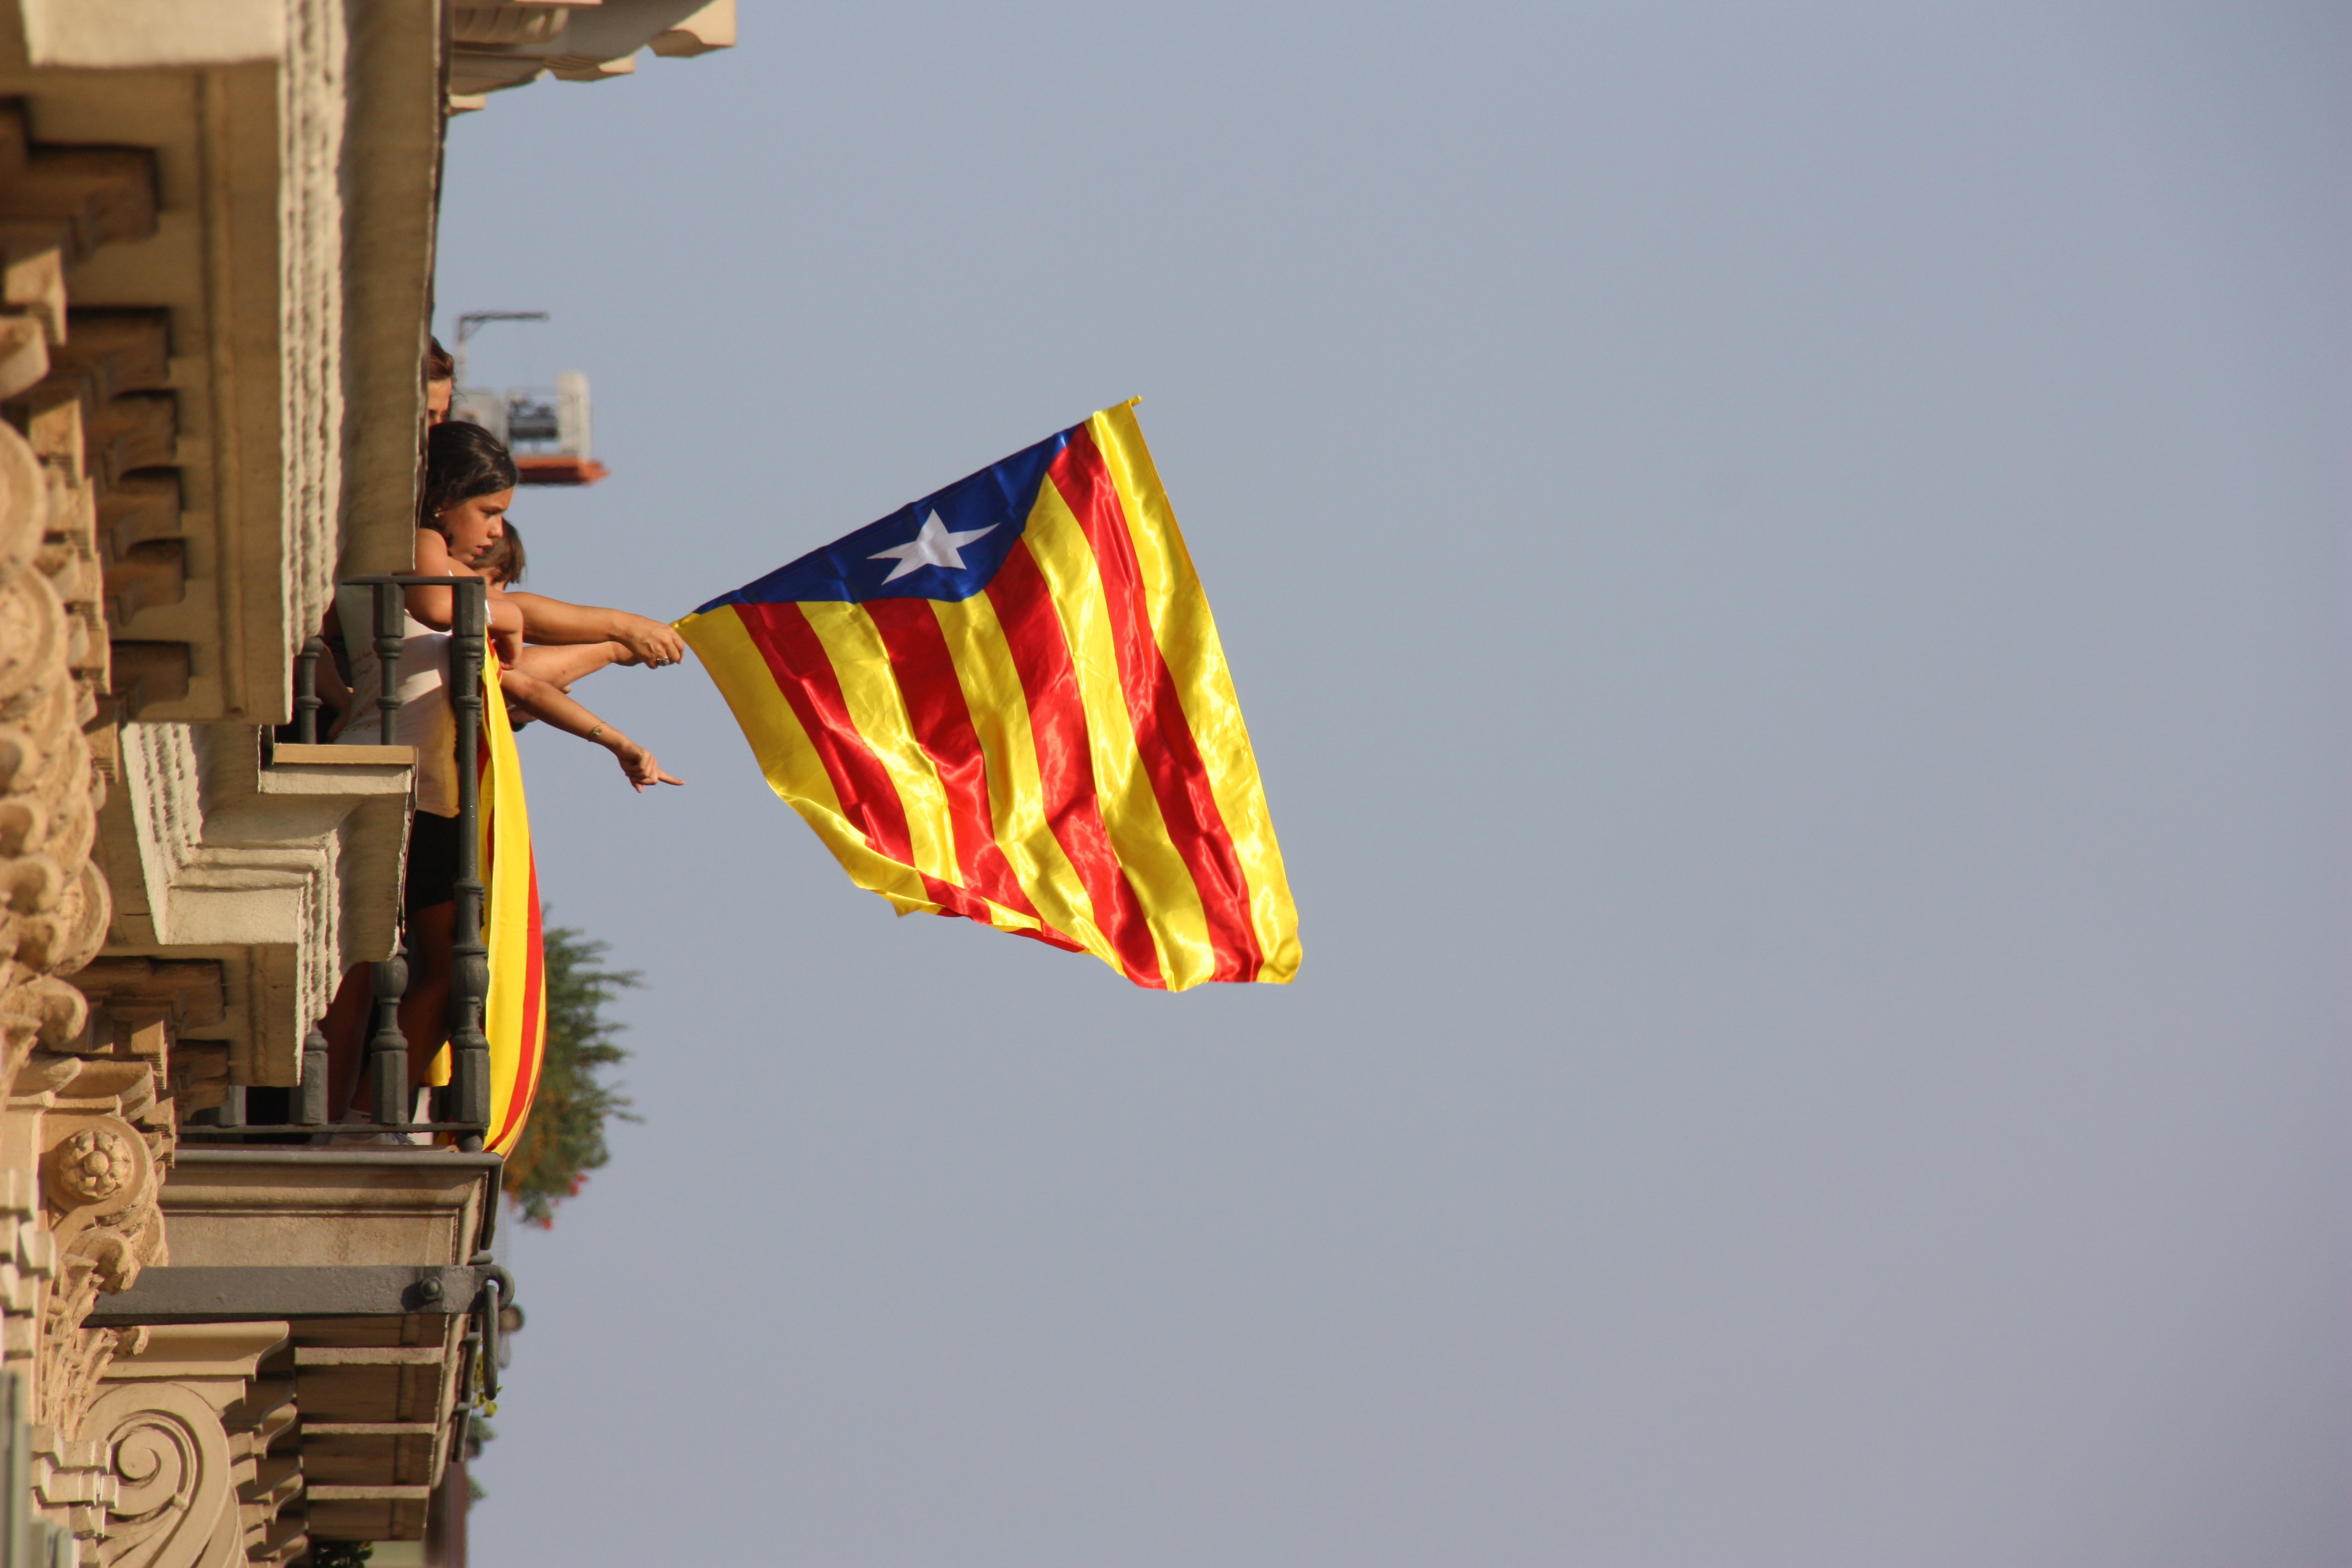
285	1207
367	1355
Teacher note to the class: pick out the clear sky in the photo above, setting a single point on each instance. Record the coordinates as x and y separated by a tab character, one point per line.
1788	570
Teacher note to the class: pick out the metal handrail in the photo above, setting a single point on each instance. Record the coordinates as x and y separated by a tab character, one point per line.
467	1100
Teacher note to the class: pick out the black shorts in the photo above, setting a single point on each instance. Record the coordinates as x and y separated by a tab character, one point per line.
432	861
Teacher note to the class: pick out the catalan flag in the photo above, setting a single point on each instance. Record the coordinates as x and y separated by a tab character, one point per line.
1007	701
514	1013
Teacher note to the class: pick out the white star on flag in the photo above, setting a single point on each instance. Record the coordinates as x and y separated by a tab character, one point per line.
935	545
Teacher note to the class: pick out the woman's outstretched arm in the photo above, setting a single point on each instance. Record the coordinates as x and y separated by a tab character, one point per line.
549	620
542	701
560	664
435	604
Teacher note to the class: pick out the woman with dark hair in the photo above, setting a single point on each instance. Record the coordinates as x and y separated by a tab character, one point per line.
469	484
462	462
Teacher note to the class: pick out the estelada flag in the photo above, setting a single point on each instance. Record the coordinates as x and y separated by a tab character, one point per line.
1008	701
514	1014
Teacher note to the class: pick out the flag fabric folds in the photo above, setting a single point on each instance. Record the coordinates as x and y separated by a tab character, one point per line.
514	1014
1007	701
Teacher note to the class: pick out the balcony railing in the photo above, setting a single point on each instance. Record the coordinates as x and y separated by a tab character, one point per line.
462	1108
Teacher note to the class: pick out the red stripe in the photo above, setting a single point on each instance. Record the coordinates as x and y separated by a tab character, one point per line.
534	1035
1172	759
942	726
797	661
1065	768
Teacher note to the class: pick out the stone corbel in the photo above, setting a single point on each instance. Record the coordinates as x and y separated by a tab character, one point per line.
71	1481
71	1132
169	1473
185	1426
54	904
40	1012
28	1260
97	1173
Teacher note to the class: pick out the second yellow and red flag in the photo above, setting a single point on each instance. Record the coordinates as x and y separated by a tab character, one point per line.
1008	701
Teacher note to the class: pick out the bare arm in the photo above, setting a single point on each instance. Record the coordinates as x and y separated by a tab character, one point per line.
549	620
334	697
542	701
560	664
436	604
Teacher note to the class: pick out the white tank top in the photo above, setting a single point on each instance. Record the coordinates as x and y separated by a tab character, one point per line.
426	721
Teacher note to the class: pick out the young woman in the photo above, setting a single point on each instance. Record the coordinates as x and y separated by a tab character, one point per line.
469	526
469	485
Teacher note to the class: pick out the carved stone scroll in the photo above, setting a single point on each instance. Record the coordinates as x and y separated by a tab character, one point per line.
169	1454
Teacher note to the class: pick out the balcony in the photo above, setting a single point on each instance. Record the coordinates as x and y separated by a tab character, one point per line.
344	1304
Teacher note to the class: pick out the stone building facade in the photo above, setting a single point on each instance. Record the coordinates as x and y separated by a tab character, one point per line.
220	1345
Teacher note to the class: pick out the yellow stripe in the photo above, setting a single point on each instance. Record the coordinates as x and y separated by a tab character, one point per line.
1016	795
1187	640
517	1038
791	763
869	686
1139	835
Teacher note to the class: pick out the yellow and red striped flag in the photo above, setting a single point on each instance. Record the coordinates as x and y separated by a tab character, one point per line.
1008	701
514	1014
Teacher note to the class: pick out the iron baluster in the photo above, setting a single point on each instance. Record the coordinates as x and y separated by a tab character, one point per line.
391	633
388	1047
305	692
312	1109
470	978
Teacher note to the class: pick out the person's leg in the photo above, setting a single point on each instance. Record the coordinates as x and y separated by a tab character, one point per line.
350	1020
345	1026
425	1010
560	664
425	942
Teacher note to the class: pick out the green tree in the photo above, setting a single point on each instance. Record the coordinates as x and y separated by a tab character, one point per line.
565	1139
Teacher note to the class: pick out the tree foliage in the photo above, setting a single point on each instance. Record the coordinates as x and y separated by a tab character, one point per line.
565	1139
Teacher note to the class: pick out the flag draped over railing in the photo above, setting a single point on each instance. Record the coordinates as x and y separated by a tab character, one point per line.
514	1015
1008	701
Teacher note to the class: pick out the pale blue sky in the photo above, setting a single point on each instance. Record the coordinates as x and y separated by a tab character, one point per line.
1787	566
